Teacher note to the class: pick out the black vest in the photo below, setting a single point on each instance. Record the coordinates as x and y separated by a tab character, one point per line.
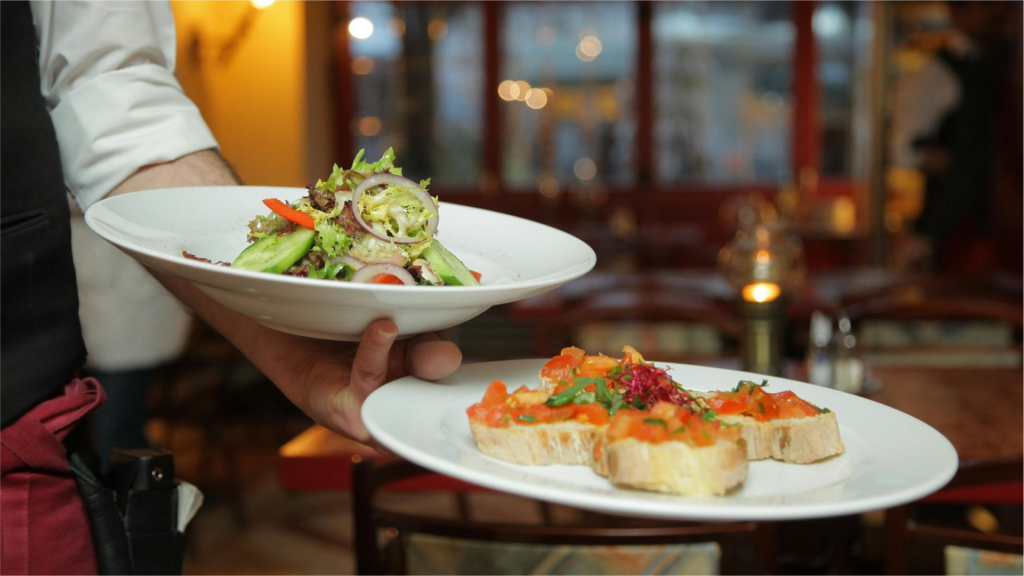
41	345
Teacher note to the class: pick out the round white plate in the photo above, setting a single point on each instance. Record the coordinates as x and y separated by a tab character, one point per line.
517	258
891	458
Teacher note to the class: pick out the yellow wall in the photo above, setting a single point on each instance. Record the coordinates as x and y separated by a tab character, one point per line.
255	101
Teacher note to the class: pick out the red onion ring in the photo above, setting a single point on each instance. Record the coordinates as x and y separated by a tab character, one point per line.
351	261
366	274
393	180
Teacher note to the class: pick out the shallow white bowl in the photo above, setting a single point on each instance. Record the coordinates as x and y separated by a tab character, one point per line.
518	258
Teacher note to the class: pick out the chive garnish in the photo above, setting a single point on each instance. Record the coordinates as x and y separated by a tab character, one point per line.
656	422
526	418
566	396
584	398
709	415
761	406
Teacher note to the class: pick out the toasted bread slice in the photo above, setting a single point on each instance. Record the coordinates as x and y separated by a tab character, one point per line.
793	440
675	467
569	442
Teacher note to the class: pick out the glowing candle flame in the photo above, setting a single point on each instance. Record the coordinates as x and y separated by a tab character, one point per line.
761	292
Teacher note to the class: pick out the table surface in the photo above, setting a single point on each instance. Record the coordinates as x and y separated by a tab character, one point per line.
977	409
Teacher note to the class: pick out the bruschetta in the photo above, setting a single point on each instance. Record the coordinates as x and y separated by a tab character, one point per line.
777	425
528	427
673	450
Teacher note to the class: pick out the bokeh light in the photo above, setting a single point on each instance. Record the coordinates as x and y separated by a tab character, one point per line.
369	126
590	46
520	90
536	98
505	90
585	169
360	28
362	65
437	29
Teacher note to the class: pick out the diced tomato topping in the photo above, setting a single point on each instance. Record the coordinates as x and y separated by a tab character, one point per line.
476	275
575	352
593	413
496	394
599	364
668	422
762	405
559	368
539	414
729	403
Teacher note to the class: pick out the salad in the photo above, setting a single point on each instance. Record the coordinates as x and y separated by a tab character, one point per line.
366	224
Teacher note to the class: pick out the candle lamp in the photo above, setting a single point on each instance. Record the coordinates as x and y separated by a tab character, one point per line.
765	264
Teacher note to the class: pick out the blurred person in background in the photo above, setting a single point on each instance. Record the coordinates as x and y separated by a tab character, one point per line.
944	125
131	327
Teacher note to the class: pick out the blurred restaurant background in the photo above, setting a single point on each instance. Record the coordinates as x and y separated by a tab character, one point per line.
825	190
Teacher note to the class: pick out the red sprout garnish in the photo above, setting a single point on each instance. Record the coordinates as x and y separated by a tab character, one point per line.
648	383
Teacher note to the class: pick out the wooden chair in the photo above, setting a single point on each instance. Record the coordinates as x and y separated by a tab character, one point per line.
372	521
975	483
992	483
993	308
647	305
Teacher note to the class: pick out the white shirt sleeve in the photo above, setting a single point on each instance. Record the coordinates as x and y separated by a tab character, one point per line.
107	75
922	101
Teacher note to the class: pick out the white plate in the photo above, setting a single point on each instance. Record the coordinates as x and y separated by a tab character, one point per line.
518	259
891	458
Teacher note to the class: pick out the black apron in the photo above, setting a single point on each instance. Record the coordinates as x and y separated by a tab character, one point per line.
41	344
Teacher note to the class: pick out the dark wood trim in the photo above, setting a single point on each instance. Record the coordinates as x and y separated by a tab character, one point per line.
896	540
1006	543
344	84
645	106
806	127
491	151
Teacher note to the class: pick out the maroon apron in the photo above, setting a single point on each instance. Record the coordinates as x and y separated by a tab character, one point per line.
43	527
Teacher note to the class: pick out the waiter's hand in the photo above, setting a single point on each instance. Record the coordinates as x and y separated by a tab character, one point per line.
341	376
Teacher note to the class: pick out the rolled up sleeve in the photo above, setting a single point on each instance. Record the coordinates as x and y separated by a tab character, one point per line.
107	74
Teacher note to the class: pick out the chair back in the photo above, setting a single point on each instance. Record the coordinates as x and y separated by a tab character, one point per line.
465	538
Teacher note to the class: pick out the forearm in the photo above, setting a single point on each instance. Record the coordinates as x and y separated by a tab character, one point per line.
205	168
266	348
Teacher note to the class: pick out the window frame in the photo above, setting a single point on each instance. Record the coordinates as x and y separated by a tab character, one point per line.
687	204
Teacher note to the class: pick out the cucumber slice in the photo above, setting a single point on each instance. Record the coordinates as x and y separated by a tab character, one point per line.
276	254
451	270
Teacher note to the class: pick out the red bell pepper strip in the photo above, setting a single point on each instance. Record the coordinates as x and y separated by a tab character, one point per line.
290	214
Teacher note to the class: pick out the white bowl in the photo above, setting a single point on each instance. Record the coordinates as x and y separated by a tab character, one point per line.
518	258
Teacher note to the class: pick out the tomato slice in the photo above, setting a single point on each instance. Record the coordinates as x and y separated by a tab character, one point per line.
559	368
728	404
387	279
591	414
496	394
601	364
290	214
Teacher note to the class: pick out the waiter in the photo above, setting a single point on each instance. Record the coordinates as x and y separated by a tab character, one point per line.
90	104
944	126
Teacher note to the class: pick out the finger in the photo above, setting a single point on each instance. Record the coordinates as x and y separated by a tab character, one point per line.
370	366
380	448
430	358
